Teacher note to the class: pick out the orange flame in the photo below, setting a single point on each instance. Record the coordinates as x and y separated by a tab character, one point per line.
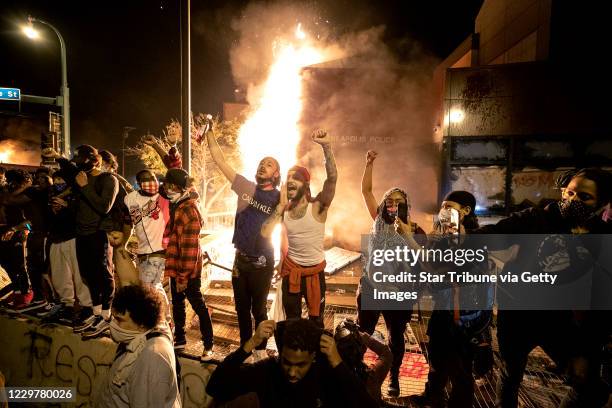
272	128
5	155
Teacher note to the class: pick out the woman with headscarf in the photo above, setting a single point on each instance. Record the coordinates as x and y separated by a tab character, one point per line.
393	209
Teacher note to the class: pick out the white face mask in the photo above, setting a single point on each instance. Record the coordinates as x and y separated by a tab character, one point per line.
121	335
174	196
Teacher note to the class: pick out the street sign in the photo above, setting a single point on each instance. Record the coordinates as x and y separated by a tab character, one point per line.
10	94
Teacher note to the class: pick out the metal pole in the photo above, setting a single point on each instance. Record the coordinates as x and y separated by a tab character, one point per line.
186	82
65	92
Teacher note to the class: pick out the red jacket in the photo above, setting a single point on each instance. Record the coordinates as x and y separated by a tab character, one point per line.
183	253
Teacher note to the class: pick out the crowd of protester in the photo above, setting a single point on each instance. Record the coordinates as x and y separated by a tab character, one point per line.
63	244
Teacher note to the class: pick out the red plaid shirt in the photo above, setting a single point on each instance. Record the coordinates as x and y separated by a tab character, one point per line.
183	253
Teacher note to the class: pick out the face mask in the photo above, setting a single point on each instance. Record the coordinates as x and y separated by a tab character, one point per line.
576	212
86	167
58	188
174	196
392	211
149	187
121	335
448	218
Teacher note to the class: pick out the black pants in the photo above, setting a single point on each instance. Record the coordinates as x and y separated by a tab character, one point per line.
559	336
251	289
95	258
13	260
292	302
450	360
37	265
196	299
395	320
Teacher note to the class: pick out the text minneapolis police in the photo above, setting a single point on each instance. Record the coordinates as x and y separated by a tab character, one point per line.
439	257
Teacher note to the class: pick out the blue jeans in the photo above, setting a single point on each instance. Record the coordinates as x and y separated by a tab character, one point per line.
151	273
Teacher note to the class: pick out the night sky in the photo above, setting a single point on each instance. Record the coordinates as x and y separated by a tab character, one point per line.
124	56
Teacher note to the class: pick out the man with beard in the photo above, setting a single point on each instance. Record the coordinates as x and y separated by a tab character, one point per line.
150	214
573	340
254	262
303	263
308	373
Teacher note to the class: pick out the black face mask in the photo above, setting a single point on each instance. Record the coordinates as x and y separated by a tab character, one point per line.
58	188
575	212
86	166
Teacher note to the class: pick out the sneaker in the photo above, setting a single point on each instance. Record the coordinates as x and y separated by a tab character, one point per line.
207	355
24	303
82	325
180	343
66	316
50	310
9	297
394	388
96	329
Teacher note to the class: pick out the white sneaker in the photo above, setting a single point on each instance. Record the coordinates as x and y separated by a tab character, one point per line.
207	355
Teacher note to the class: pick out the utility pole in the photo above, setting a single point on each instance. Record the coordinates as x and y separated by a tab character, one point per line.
186	82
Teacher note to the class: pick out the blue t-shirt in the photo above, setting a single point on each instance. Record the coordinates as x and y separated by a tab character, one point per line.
254	207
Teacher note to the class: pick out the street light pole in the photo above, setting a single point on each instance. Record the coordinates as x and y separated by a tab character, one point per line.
64	101
186	82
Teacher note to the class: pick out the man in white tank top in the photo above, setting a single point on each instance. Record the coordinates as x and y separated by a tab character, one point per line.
303	219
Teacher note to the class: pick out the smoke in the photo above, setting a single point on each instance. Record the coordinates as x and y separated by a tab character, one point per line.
20	141
374	102
364	98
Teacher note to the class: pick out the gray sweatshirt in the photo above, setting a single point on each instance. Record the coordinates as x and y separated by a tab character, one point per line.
151	383
97	198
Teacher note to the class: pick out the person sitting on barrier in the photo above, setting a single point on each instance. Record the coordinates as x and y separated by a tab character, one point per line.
144	372
309	371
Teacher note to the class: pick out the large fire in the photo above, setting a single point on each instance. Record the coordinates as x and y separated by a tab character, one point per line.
272	127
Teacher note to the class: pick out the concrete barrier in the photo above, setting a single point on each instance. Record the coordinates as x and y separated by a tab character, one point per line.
53	356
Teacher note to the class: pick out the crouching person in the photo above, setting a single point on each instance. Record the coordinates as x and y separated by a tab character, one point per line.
309	371
352	345
144	371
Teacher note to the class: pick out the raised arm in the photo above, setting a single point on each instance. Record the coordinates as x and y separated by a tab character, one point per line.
150	140
218	158
102	202
231	378
329	186
366	184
